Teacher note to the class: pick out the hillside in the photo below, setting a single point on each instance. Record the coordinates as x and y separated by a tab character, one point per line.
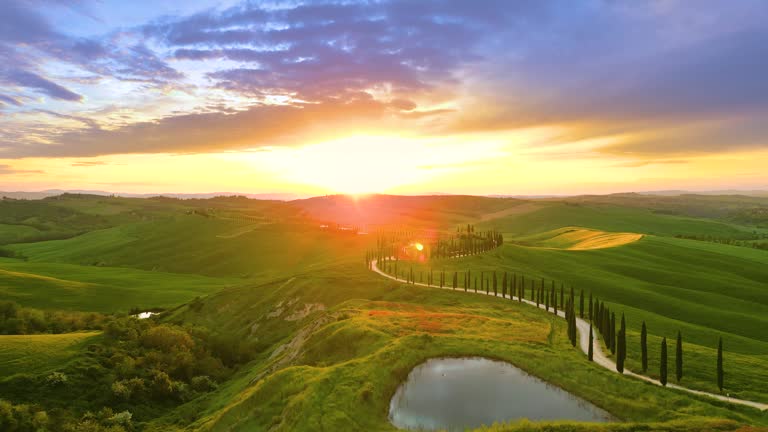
292	331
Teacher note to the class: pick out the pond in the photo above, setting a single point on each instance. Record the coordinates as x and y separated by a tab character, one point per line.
459	393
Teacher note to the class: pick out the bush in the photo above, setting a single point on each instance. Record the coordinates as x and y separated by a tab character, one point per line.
203	383
56	379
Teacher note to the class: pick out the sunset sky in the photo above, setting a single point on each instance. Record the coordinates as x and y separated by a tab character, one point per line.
479	97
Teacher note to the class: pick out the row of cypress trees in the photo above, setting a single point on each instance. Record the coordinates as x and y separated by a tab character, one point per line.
599	314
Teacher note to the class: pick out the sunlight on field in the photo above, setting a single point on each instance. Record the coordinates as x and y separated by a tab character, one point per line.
36	353
575	238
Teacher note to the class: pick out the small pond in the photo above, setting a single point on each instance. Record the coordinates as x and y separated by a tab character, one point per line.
459	393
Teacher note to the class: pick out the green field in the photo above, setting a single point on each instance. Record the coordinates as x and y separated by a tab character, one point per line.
38	354
99	289
705	290
327	341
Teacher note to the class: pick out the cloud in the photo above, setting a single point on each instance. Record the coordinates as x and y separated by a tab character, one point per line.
9	100
9	170
261	125
34	81
88	163
672	79
642	163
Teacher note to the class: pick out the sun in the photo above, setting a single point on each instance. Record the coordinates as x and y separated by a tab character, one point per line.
419	247
355	165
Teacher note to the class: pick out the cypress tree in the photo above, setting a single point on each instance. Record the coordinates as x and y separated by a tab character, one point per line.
644	347
621	346
495	292
581	304
590	350
546	301
613	333
572	316
590	306
679	357
663	364
475	283
720	364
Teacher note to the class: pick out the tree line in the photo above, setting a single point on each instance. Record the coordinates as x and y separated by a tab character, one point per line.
401	244
546	293
17	320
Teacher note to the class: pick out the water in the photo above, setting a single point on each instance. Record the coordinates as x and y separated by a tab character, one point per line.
459	393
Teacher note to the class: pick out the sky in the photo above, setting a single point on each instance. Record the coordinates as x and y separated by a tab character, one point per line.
522	97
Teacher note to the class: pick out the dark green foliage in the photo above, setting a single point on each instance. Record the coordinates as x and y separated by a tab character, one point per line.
581	304
591	349
17	320
679	357
720	364
644	347
663	363
621	346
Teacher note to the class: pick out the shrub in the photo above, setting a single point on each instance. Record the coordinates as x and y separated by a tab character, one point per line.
203	383
56	379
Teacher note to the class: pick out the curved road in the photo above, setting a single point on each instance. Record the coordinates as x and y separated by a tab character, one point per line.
598	356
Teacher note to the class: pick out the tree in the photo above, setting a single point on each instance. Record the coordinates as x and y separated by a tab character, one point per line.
581	304
590	307
613	333
663	364
495	291
679	357
644	347
621	349
590	350
720	364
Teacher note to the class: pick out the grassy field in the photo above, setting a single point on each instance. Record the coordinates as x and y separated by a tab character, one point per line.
99	289
337	368
332	340
198	245
704	290
575	238
606	217
38	354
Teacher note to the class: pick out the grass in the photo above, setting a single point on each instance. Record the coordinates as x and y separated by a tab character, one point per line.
607	217
338	369
194	244
575	238
671	284
99	289
39	354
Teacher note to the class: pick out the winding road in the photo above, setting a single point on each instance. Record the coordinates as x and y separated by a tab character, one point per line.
598	356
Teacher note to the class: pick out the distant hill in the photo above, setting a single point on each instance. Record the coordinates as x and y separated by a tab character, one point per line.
54	192
434	211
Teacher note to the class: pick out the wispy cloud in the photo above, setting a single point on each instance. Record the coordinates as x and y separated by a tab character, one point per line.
289	72
9	170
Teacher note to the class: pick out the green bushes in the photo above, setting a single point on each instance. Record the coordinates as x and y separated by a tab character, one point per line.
17	320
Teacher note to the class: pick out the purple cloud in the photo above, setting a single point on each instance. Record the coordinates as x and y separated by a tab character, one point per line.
31	80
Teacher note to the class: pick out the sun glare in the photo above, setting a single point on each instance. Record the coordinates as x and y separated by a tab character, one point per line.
359	165
419	247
